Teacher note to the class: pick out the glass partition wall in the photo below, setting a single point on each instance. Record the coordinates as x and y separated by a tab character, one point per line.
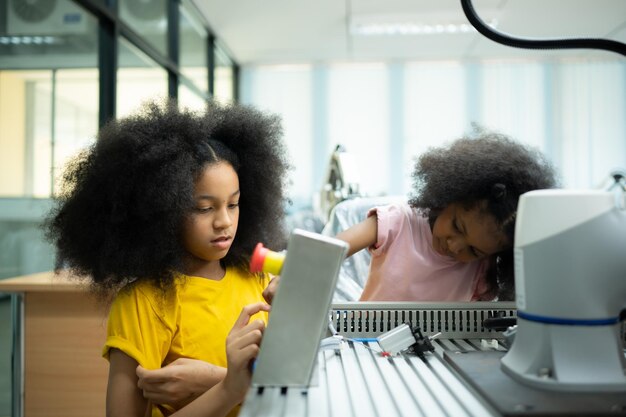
66	67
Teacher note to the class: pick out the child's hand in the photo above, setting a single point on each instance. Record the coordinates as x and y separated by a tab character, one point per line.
270	290
178	383
242	346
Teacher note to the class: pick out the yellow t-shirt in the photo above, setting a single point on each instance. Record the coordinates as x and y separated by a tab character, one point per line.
190	321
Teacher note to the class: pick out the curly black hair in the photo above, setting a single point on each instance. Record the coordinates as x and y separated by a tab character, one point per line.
123	201
482	167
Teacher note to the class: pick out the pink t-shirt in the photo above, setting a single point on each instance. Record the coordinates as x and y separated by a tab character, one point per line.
405	267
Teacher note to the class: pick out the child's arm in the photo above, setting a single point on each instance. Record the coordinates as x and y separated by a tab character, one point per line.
180	382
361	235
242	346
358	237
123	397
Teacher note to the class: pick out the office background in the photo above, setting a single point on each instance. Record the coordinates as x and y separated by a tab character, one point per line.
66	67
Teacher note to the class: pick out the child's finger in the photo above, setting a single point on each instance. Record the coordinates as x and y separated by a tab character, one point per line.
247	336
249	311
245	355
250	334
152	376
270	290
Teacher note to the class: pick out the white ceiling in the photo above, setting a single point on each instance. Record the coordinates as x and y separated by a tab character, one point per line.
305	31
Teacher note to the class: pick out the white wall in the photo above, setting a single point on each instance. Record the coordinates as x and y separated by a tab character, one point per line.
388	113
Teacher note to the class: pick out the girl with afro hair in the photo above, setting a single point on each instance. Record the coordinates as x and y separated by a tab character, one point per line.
453	241
162	214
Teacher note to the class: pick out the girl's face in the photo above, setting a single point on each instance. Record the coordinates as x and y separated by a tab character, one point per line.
209	230
467	235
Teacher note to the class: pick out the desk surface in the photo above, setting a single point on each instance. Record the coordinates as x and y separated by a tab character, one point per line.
461	378
48	281
58	339
356	380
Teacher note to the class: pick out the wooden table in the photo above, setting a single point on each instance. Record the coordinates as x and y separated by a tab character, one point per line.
59	335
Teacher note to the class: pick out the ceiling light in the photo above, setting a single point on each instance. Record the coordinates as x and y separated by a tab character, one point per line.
27	40
402	25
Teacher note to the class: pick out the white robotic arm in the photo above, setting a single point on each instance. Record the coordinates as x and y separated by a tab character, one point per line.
570	269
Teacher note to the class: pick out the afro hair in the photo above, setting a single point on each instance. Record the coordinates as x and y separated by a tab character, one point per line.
483	167
123	201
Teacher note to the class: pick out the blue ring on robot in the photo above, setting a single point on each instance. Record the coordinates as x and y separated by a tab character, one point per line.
567	322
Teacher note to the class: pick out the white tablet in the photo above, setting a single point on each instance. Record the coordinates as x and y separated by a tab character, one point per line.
300	310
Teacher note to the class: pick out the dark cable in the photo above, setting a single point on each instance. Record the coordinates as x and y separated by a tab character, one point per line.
574	43
499	323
